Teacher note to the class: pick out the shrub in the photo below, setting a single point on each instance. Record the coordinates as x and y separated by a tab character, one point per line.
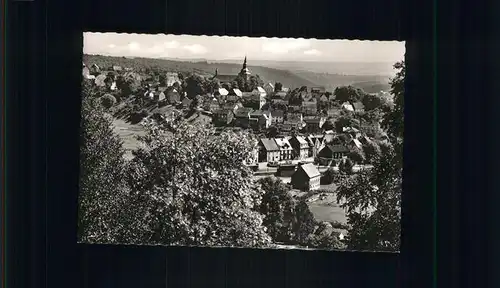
328	177
108	101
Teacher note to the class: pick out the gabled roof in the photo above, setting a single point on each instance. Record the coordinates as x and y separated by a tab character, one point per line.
269	85
236	92
310	170
357	143
221	91
338	148
260	90
269	144
281	142
301	140
243	112
348	106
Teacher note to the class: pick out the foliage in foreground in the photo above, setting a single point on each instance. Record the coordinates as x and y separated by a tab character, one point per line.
373	197
101	173
197	190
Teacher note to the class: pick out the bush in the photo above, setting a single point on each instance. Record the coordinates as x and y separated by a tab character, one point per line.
328	177
136	117
108	101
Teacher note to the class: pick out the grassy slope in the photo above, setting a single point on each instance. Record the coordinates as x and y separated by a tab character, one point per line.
291	79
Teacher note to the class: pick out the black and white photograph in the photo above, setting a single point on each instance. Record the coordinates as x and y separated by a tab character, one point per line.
215	141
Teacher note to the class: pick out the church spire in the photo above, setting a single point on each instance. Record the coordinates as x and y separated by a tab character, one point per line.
245	63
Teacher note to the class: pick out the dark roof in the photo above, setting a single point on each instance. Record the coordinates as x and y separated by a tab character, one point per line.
269	144
318	89
310	170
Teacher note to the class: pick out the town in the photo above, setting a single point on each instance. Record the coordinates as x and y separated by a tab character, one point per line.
294	127
199	152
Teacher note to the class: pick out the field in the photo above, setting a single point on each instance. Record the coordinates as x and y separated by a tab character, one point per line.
128	133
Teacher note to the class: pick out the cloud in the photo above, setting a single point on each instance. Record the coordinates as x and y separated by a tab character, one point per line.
111	46
156	50
285	46
196	49
134	46
171	44
313	52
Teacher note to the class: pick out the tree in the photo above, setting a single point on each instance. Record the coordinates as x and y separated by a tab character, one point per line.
346	166
373	204
371	150
194	85
278	209
329	124
345	120
328	177
304	223
101	174
254	81
272	132
108	101
372	101
373	197
197	189
348	94
325	237
356	156
393	120
278	87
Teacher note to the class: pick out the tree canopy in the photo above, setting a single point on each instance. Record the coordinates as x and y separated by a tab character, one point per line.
197	189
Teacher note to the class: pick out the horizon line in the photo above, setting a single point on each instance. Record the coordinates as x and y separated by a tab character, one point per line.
236	59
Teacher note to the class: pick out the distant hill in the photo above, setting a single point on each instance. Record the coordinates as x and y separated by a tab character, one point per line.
289	78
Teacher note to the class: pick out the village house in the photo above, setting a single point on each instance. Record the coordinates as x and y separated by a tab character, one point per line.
316	143
282	95
324	99
269	88
158	96
232	106
355	144
221	92
223	117
348	106
310	107
278	100
242	117
172	78
286	150
268	150
358	107
294	117
352	132
300	147
332	152
263	119
318	90
234	95
333	112
313	124
95	69
306	178
277	116
211	104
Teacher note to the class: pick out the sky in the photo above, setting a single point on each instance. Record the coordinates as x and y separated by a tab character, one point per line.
234	48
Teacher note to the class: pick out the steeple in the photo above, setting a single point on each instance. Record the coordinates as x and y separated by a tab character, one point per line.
245	63
245	72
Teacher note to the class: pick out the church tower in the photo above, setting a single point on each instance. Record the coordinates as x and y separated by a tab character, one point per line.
245	72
